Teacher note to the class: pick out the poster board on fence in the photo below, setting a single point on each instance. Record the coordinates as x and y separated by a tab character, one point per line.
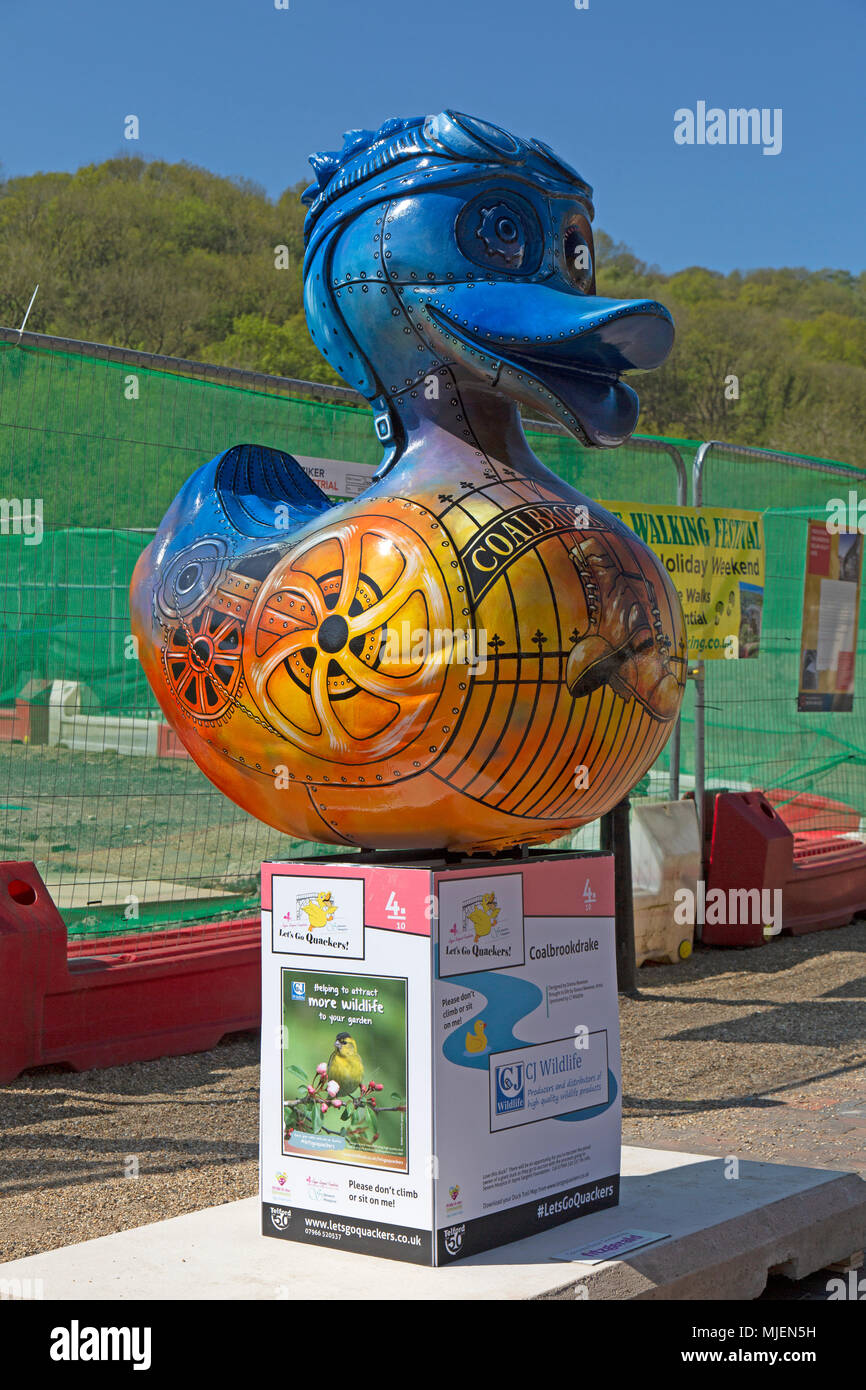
715	558
831	605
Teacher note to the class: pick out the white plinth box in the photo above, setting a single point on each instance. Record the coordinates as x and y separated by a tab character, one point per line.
468	1015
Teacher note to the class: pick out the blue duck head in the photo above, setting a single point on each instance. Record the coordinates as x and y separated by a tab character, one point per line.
445	244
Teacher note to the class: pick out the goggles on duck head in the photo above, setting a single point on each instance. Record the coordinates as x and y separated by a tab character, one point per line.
415	153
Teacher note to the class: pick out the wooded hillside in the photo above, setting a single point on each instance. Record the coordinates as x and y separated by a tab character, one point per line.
173	259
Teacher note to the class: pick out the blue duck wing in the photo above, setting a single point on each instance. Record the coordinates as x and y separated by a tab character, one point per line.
263	490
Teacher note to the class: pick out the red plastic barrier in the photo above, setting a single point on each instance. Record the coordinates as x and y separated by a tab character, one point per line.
751	848
115	1000
15	722
805	811
168	745
827	886
821	872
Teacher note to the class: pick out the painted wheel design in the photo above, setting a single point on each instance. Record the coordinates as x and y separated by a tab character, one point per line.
202	660
191	577
341	655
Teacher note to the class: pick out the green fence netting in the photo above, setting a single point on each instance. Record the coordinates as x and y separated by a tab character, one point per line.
755	735
103	439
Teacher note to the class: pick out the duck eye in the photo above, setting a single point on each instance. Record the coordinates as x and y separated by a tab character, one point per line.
501	236
501	231
578	258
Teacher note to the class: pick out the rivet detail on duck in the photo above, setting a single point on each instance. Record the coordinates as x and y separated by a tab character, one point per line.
429	664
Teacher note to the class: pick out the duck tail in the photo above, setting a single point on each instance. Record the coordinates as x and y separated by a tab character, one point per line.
262	490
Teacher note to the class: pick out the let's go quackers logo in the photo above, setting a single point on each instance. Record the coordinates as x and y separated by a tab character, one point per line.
478	928
318	908
480	923
316	916
315	921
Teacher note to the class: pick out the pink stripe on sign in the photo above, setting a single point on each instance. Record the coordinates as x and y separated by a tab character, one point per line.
308	869
395	899
560	887
399	900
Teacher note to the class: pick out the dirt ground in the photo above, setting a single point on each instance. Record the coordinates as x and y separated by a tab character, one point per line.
758	1053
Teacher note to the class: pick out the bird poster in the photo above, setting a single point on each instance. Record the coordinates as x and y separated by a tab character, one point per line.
344	1068
440	1052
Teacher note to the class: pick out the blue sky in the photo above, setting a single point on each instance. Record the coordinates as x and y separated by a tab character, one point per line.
243	88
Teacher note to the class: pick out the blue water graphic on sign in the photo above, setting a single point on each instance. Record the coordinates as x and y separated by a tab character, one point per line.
506	1002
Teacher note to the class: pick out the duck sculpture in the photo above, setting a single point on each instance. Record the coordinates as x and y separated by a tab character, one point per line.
470	655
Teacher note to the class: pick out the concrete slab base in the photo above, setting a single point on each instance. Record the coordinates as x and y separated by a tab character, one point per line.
725	1233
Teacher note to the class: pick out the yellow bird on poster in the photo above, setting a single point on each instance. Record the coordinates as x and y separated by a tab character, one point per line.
345	1064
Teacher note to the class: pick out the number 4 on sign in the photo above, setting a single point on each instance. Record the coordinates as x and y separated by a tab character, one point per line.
589	896
395	911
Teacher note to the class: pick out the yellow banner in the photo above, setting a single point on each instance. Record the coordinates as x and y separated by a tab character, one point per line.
715	558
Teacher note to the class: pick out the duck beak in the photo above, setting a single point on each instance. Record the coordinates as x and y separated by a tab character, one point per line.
563	352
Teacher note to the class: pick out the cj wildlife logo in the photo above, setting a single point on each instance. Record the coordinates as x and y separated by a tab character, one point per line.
509	1081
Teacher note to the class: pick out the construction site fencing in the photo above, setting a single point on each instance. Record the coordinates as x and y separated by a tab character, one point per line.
94	787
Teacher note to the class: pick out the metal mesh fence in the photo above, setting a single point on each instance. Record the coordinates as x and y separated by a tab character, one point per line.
93	787
755	735
125	830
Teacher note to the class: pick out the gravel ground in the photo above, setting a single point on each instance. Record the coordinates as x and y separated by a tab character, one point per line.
757	1053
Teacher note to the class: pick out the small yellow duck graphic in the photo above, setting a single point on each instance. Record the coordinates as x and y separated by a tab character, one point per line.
483	917
319	911
476	1041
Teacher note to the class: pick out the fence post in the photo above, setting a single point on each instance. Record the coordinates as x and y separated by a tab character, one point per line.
674	744
616	840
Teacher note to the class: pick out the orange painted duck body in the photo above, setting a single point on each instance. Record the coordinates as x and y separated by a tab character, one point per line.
471	654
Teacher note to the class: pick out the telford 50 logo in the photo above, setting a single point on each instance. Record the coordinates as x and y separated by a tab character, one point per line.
510	1092
453	1238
